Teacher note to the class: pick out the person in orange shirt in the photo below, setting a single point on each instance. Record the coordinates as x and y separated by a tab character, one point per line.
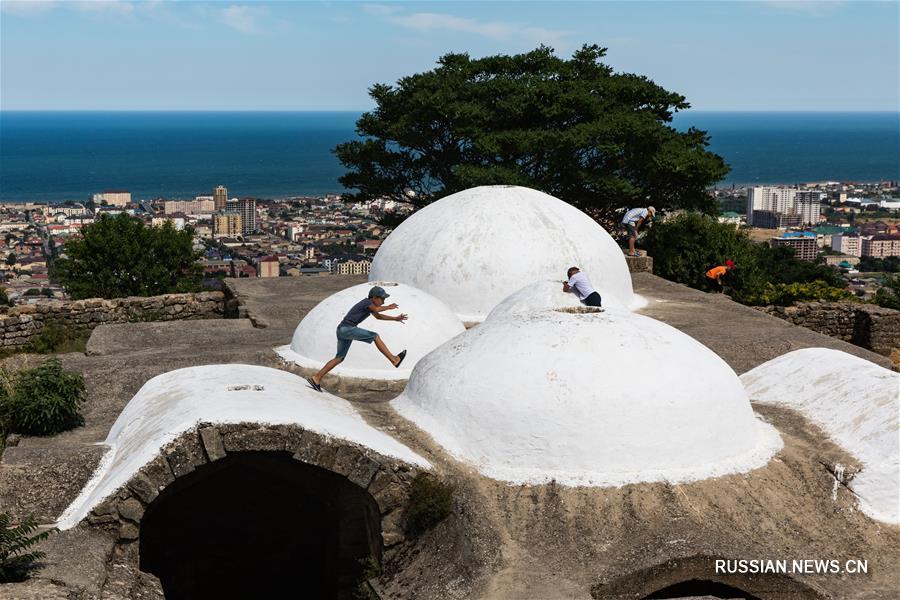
714	275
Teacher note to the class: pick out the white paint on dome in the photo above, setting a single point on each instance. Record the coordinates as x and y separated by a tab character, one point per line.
172	403
548	294
856	402
430	324
594	399
474	248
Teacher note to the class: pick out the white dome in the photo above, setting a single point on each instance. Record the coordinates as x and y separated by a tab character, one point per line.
586	399
547	294
430	324
856	402
474	248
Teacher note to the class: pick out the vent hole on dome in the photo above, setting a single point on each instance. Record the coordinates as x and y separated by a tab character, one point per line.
384	283
580	310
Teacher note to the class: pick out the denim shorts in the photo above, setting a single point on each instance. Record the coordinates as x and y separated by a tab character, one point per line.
347	334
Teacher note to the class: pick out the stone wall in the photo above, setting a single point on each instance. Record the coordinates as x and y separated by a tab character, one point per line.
865	325
20	323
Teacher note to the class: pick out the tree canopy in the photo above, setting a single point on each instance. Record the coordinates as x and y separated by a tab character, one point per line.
119	256
572	128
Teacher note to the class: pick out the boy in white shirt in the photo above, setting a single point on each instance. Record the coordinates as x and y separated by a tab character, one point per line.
579	285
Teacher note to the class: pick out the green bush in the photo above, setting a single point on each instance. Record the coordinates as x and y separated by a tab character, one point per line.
785	294
42	401
430	502
16	561
57	337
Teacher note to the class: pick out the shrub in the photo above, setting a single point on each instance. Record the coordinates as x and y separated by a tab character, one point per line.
16	561
57	337
430	502
42	401
785	294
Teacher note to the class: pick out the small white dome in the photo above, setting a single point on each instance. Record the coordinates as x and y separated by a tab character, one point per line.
856	402
546	295
586	398
430	324
474	248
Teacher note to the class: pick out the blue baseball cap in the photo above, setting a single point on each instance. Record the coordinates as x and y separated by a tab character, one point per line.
378	292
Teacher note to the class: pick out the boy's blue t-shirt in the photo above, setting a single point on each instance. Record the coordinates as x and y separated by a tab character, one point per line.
358	313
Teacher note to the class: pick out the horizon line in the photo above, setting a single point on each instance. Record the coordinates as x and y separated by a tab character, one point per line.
351	110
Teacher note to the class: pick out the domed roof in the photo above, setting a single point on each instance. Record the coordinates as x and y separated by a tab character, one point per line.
586	398
548	294
430	324
855	402
475	247
175	402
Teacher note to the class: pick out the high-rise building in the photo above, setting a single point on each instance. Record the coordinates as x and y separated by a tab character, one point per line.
803	243
786	201
221	197
247	208
227	224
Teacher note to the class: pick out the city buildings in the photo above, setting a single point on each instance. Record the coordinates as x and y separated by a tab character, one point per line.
802	242
247	209
120	198
804	205
268	266
881	245
220	197
227	224
847	243
197	206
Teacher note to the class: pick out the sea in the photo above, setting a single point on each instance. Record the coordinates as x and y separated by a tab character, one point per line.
59	156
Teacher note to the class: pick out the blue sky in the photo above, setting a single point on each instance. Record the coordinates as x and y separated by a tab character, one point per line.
154	55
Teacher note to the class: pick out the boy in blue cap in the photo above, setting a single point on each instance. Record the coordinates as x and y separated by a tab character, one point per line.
348	332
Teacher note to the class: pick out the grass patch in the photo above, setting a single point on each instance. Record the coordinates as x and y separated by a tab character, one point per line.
430	502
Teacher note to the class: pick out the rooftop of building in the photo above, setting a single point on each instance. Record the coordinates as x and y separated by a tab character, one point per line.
541	541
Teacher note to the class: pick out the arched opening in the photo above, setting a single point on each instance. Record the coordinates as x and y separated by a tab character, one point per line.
700	588
260	525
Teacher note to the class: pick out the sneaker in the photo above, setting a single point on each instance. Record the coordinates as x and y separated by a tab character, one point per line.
313	384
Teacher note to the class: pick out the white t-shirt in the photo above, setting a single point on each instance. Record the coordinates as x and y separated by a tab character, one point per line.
634	215
580	286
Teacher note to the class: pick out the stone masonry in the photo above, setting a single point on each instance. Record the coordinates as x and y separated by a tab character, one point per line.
20	323
864	325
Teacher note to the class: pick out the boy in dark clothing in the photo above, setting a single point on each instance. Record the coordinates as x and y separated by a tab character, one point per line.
348	332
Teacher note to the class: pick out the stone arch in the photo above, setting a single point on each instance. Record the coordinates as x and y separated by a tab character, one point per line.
696	576
210	451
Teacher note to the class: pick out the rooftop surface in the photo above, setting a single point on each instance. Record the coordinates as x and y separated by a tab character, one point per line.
41	476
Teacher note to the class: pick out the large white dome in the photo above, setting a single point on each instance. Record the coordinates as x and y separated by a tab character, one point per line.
548	294
474	248
430	324
586	398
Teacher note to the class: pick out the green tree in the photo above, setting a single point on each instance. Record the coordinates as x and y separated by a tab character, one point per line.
573	128
120	256
11	259
4	298
888	295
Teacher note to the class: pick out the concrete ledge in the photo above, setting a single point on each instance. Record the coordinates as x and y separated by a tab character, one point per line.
639	264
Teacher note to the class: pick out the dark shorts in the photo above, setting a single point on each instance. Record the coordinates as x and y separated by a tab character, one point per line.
632	232
347	334
593	299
